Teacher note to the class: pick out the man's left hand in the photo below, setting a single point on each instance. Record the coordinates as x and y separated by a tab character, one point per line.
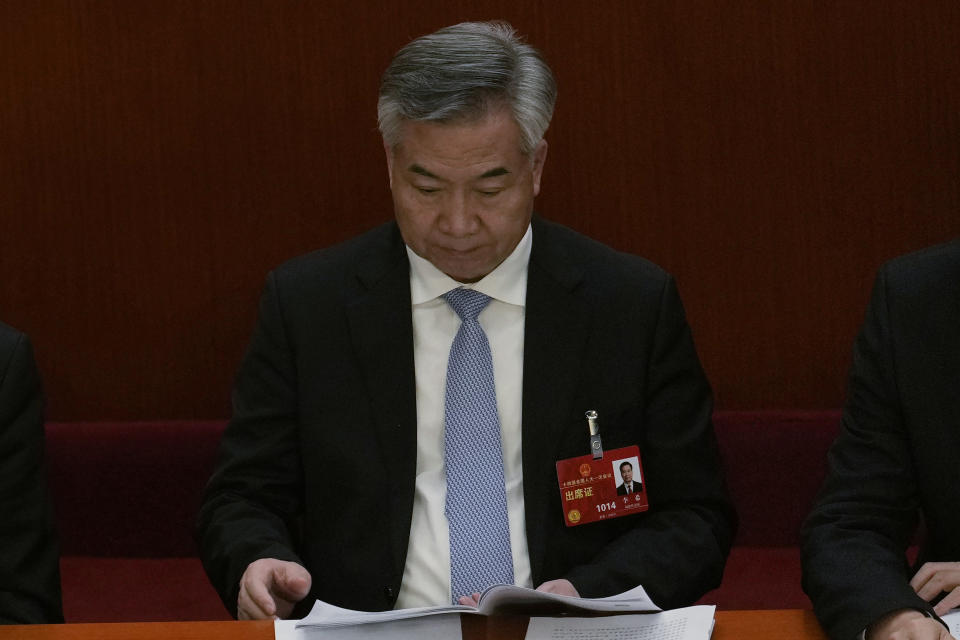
560	587
935	578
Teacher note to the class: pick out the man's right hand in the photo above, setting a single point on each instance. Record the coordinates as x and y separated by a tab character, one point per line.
269	588
907	624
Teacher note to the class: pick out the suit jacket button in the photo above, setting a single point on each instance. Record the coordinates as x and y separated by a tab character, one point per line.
388	592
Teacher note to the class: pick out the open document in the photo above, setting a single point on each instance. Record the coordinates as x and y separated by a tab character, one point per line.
444	621
570	619
497	600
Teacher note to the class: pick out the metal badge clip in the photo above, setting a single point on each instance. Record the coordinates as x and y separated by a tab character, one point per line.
596	445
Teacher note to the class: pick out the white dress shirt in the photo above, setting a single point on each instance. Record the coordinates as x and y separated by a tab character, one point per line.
426	575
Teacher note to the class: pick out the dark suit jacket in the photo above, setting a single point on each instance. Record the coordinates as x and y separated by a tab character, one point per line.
29	554
622	488
898	452
326	397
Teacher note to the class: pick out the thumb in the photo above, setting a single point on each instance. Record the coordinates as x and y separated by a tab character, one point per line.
291	582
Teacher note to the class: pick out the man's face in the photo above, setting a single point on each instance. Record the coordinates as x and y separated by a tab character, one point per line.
627	473
463	193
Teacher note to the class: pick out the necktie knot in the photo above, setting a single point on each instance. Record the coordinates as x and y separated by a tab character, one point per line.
467	303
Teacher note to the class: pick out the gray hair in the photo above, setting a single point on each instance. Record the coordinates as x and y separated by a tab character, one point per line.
459	73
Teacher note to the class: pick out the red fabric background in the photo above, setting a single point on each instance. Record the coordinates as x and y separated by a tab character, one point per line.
158	157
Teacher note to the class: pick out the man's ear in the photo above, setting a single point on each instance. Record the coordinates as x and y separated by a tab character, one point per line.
539	158
388	150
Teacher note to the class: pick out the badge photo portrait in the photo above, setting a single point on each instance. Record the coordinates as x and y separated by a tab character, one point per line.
627	475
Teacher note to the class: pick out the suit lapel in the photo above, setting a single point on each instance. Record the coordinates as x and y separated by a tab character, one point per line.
556	329
382	336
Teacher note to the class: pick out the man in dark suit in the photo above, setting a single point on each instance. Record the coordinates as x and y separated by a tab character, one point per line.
895	459
344	377
29	554
628	485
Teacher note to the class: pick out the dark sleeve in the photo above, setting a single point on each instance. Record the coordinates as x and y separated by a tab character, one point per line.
252	502
854	540
678	549
29	552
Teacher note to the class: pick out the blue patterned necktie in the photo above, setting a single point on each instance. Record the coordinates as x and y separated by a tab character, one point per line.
476	506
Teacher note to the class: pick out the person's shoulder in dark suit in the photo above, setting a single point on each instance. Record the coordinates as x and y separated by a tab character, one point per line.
607	274
930	269
29	553
892	450
920	290
336	266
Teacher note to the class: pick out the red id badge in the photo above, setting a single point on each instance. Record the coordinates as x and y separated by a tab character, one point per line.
610	487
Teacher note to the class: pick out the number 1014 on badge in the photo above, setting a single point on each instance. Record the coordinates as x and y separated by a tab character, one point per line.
611	487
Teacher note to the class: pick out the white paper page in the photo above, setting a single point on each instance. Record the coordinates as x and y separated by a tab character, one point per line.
325	615
496	599
952	618
690	623
436	626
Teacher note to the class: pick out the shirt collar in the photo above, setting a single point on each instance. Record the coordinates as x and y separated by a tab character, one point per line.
507	283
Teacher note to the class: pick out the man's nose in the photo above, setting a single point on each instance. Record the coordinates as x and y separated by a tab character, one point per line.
457	217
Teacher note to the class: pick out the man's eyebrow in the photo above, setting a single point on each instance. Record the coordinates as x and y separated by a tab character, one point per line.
415	168
493	173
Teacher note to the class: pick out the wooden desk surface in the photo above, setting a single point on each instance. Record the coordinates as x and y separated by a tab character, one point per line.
785	624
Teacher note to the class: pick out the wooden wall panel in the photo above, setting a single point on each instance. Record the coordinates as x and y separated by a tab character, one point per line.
157	158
